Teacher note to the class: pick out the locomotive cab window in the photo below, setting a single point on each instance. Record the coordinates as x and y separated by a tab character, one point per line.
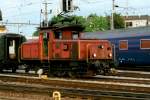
58	35
145	44
123	44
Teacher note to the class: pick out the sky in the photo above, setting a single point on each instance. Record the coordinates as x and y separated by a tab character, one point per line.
29	10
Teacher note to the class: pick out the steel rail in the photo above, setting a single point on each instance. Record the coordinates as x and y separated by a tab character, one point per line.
74	92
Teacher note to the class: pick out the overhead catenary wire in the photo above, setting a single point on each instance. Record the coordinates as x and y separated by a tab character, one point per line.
95	2
27	4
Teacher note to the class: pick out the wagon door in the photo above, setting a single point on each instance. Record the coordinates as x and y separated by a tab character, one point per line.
12	45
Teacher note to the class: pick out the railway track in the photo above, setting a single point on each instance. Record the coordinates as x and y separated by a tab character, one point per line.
71	92
122	76
132	77
119	86
136	74
120	73
127	77
135	68
78	83
40	93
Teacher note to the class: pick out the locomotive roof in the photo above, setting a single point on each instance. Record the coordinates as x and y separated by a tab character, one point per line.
121	33
73	27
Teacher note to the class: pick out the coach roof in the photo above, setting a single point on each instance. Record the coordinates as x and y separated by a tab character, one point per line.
121	33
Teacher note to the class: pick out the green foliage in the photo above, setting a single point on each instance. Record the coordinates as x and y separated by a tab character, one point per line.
96	23
91	23
60	20
35	33
119	21
55	20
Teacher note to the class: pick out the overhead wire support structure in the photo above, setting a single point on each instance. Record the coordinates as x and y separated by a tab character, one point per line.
16	23
112	15
46	13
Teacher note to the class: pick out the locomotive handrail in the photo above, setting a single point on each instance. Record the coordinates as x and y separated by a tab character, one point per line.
114	53
87	57
19	53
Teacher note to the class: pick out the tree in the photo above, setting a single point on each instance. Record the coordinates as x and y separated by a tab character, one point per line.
92	23
61	20
96	23
67	20
119	21
35	33
56	20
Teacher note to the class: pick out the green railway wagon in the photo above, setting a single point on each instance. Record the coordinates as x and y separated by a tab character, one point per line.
9	50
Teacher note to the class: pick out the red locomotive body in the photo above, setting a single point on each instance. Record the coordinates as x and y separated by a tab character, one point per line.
30	50
61	54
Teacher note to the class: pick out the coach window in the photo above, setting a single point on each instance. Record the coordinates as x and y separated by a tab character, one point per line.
145	44
123	44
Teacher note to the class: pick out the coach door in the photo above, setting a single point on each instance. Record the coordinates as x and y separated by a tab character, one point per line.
12	47
12	50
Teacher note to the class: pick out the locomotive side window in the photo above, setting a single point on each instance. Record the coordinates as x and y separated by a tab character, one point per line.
58	35
145	44
123	44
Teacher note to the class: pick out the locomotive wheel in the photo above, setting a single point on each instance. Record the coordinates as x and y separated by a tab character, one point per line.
71	75
14	69
58	74
27	70
90	73
106	69
1	70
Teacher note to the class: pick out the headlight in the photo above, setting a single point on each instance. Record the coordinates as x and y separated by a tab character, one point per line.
94	55
110	54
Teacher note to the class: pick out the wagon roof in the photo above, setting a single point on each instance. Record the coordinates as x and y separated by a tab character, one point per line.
9	34
134	32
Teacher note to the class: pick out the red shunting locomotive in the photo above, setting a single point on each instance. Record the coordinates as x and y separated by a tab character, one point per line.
61	52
